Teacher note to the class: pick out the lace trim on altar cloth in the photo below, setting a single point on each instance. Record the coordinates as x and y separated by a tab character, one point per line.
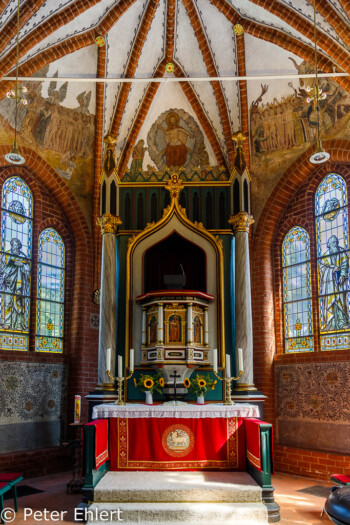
183	411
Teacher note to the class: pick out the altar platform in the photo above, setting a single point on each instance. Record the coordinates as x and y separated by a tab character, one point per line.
186	498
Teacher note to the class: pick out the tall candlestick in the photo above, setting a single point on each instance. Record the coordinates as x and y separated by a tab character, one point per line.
228	365
132	353
215	360
108	358
240	360
120	366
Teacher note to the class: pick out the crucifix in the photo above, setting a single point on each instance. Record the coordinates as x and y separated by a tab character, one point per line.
175	376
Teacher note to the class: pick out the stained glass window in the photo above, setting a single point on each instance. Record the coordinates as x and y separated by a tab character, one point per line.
297	291
333	263
16	264
50	298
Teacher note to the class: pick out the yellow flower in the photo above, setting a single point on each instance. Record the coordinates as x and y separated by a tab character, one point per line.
161	382
148	383
187	383
202	383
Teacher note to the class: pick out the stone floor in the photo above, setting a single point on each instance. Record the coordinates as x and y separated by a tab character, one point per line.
301	501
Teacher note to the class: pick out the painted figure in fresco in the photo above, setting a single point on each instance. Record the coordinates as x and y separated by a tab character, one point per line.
175	137
175	329
84	101
259	139
67	162
137	158
334	271
39	130
15	279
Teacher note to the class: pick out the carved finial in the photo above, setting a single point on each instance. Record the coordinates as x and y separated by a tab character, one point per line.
109	164
109	223
239	138
174	185
110	141
241	222
239	162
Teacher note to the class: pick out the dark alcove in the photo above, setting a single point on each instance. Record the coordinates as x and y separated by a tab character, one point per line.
166	257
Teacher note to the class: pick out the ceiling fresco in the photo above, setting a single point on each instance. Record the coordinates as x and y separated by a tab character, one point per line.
141	39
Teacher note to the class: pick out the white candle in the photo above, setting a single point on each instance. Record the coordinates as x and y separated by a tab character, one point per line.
240	360
131	367
108	359
228	365
215	360
120	366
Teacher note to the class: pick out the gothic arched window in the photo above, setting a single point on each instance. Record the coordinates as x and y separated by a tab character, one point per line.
297	291
16	264
333	263
50	297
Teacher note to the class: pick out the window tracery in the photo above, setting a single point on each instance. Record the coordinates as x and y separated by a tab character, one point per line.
50	296
297	291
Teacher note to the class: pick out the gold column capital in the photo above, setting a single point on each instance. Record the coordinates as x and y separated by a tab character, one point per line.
109	223
241	222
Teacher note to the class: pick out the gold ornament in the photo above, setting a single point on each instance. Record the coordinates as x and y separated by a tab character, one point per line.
174	185
241	222
109	223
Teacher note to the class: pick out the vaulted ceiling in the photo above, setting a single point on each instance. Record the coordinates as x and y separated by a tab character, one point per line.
197	36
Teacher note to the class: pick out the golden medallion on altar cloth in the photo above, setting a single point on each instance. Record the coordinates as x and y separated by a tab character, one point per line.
178	440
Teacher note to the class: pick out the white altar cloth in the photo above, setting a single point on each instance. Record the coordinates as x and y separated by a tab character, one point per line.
184	411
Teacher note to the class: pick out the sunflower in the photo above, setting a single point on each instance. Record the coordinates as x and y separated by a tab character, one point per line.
187	383
202	383
161	382
148	383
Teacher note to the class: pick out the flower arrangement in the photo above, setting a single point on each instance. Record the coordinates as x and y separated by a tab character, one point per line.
148	383
200	384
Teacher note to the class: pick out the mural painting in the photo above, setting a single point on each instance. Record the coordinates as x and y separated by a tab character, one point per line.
63	136
281	130
174	143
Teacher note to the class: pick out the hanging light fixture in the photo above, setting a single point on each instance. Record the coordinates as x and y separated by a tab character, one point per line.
18	96
320	154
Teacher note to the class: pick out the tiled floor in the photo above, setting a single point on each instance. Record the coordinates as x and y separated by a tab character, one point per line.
297	508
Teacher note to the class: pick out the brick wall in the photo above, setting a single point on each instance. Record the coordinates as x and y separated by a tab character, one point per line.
55	205
291	203
309	463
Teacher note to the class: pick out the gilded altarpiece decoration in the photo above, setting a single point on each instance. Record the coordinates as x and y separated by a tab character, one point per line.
175	323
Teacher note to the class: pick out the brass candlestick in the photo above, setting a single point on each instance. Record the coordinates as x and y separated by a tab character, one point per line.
228	380
120	386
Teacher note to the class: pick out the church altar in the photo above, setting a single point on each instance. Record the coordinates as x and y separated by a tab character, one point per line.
186	437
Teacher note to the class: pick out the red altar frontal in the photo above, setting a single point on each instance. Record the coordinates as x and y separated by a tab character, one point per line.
189	437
